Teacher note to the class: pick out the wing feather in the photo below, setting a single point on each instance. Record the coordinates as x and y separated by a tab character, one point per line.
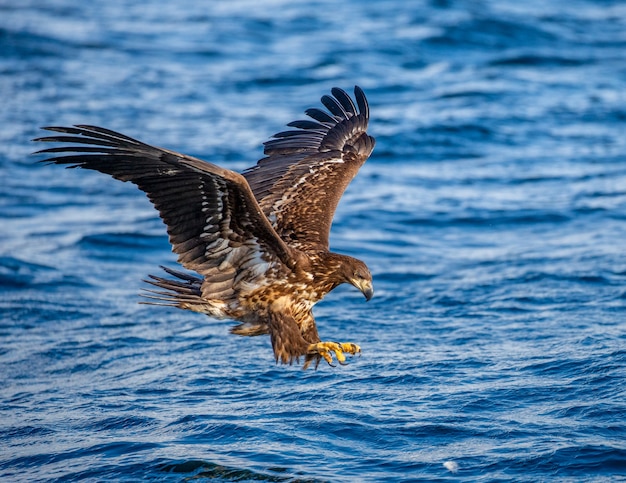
300	182
334	107
321	116
345	101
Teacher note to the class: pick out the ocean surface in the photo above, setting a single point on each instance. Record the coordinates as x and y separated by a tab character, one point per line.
492	214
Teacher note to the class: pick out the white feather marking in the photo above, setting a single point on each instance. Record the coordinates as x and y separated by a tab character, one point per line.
169	171
231	259
218	245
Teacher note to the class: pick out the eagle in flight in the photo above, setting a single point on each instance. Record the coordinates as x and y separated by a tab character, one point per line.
259	239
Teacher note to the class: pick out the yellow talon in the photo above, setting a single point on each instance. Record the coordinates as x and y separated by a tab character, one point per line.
350	348
327	357
324	350
339	355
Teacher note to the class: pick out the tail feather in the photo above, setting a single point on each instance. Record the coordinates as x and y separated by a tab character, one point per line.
182	293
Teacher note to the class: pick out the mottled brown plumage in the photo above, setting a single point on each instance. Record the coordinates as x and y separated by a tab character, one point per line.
258	239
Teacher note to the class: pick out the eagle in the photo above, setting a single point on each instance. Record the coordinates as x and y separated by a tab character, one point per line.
258	240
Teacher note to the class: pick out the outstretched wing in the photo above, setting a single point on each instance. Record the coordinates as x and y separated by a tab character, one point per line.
214	223
300	182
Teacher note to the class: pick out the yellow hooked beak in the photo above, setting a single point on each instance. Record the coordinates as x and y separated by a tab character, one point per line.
365	286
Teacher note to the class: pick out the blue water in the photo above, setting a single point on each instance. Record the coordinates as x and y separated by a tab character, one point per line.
492	215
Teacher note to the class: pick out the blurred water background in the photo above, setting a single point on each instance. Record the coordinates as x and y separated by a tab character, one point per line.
492	215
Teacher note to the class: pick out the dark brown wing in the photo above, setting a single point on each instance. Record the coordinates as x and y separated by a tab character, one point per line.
300	182
214	223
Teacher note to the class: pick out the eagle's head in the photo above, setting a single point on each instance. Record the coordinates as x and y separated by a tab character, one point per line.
357	274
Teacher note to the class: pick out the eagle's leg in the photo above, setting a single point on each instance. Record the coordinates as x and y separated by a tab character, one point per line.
325	350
